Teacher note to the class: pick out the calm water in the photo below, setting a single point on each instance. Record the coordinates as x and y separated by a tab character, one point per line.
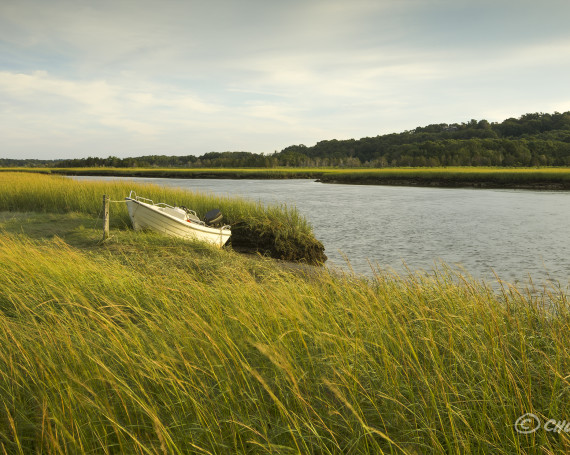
515	233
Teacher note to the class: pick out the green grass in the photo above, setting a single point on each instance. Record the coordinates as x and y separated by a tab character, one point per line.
276	230
146	344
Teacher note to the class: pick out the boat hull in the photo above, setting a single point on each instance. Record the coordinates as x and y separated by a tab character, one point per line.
147	216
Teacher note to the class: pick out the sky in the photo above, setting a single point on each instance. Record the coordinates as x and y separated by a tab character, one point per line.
129	78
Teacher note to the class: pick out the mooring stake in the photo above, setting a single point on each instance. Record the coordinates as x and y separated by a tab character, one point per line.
105	217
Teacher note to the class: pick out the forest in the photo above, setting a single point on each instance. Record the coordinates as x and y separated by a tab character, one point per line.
535	139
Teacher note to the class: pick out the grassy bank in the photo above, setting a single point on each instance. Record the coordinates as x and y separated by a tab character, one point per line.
134	347
543	178
484	177
278	231
199	173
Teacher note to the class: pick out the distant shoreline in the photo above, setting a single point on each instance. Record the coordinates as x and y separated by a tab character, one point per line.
446	183
554	179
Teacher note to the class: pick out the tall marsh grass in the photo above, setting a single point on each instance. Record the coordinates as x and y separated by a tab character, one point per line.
276	230
147	353
133	347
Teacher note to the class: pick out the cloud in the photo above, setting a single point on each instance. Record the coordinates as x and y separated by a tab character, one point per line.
190	77
101	102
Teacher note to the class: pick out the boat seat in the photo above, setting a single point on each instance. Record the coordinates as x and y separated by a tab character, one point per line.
175	212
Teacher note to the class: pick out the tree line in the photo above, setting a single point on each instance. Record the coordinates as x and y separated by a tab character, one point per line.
536	139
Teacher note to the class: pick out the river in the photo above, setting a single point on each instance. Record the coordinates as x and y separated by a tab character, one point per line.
515	234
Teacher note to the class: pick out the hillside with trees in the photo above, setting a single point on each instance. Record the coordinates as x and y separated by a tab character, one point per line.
536	139
531	140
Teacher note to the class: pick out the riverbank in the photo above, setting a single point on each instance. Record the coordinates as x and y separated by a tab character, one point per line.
145	344
274	230
536	179
186	173
451	177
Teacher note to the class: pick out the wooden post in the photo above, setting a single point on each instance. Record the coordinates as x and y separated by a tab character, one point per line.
105	217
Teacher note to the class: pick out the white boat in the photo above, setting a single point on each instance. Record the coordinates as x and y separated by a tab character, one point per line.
176	221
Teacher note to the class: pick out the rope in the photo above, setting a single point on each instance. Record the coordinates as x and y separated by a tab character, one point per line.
96	220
